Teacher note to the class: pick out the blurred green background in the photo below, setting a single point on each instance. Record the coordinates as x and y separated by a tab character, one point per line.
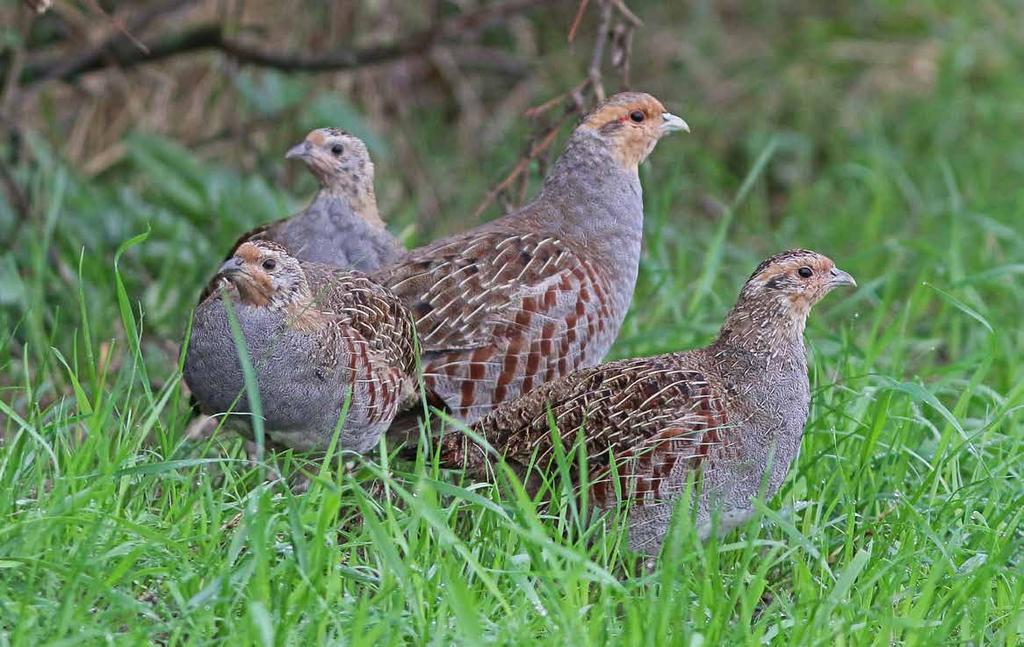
884	134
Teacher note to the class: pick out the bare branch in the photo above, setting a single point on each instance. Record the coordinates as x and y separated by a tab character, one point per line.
120	52
577	19
604	28
66	67
118	25
535	149
616	24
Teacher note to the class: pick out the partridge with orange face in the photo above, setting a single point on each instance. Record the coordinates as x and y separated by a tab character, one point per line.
318	338
732	414
341	226
540	292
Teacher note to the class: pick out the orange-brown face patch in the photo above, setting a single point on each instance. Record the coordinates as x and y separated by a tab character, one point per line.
254	285
630	141
316	138
618	108
253	289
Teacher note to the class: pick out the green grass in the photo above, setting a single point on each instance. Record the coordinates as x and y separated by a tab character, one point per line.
901	522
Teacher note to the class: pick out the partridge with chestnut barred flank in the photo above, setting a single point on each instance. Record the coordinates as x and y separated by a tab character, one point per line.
341	225
731	414
542	291
316	335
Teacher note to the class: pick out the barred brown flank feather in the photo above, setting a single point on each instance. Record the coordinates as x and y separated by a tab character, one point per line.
479	326
730	415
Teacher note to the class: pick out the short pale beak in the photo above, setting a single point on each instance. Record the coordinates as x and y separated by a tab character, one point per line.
840	277
298	151
671	123
231	266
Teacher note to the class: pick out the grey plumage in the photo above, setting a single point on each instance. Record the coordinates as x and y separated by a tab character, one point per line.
731	414
341	225
317	337
328	231
540	292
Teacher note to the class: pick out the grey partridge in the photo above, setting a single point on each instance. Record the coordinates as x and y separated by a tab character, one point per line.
341	226
731	414
542	291
318	337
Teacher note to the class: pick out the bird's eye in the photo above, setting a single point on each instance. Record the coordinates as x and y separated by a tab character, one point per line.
637	115
805	272
337	149
269	264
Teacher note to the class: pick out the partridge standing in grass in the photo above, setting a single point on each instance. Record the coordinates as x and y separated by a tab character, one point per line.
341	225
318	337
731	415
540	292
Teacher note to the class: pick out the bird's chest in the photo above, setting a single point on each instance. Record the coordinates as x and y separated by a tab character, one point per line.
773	416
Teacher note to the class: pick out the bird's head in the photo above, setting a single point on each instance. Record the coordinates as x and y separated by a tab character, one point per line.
783	288
265	274
630	124
335	157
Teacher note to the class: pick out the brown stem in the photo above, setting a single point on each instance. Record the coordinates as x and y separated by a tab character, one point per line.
577	19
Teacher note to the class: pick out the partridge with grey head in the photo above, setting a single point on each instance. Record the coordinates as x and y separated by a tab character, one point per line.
542	291
341	226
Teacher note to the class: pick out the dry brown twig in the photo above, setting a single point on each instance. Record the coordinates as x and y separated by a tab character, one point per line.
616	24
119	26
581	9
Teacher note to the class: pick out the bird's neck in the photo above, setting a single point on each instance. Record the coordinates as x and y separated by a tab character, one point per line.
759	356
301	309
587	158
594	198
764	335
358	193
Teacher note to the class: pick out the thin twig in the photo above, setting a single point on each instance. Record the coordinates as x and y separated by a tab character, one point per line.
627	15
577	19
574	101
603	31
119	26
519	169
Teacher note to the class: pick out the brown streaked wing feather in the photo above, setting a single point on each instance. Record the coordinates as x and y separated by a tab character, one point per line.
361	309
499	313
648	413
463	290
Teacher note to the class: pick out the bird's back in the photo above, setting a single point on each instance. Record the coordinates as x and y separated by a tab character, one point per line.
329	231
527	298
